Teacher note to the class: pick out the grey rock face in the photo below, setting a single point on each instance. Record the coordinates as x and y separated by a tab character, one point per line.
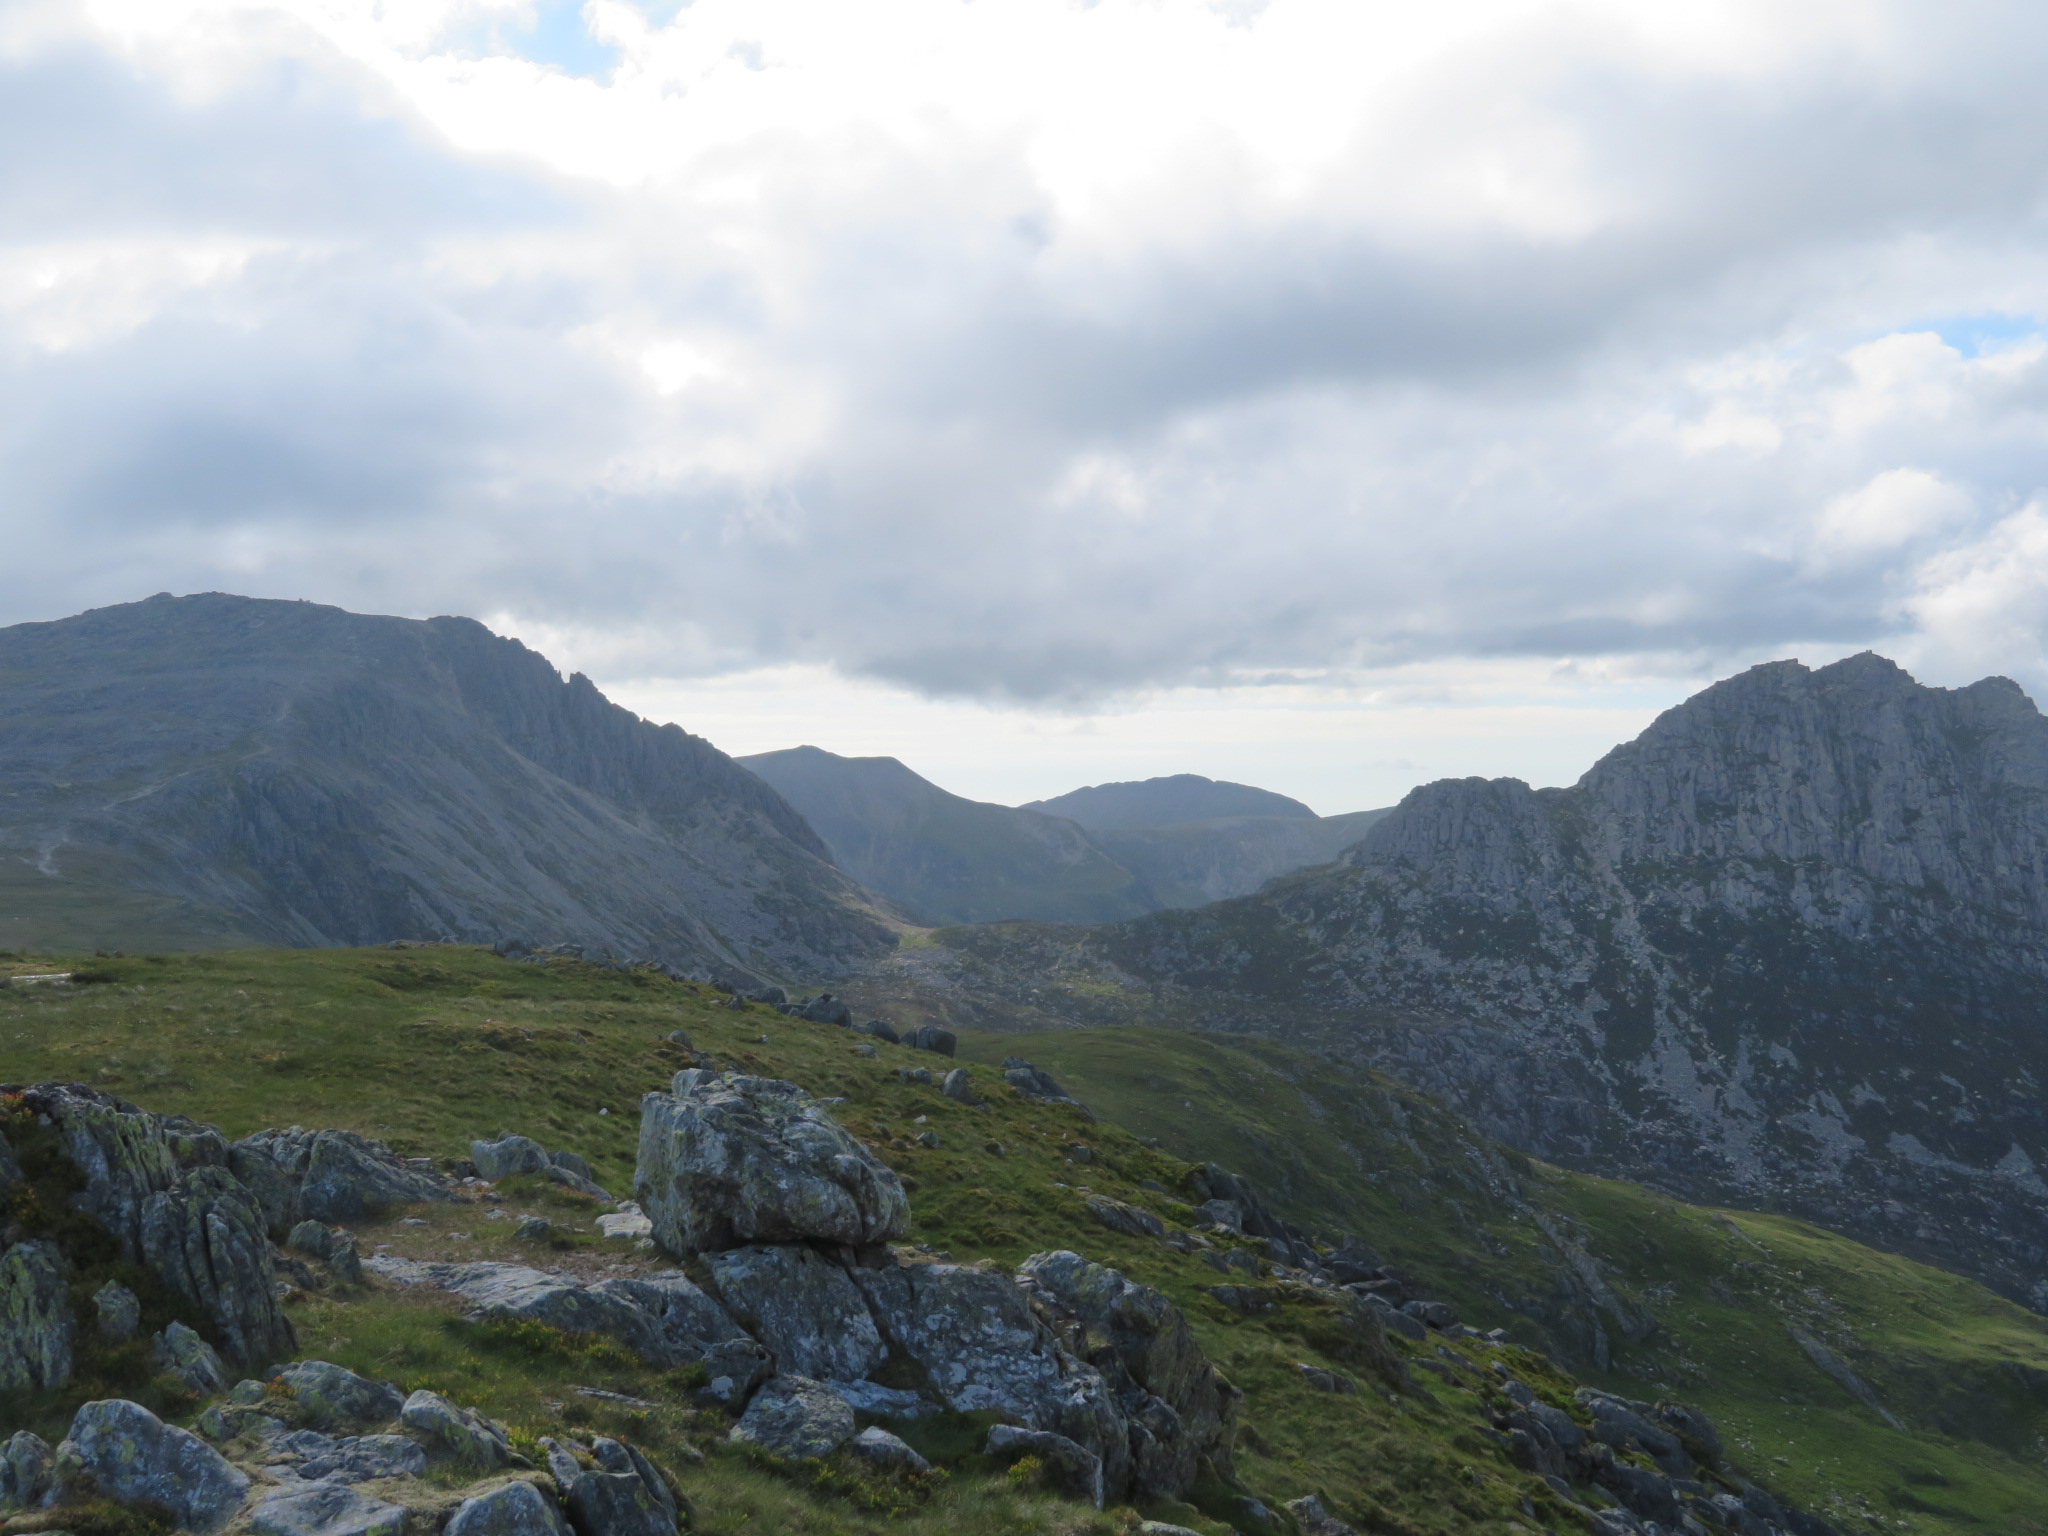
1072	1468
324	1509
460	1433
204	1236
133	1457
728	1160
333	1246
516	1509
807	1310
28	1472
623	1496
119	1313
333	1397
180	1352
327	1176
352	1458
508	1155
795	1418
124	1153
37	1335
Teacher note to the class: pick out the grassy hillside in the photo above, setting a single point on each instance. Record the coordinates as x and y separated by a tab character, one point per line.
429	1047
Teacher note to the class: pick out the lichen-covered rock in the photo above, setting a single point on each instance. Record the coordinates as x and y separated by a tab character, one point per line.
890	1453
333	1397
37	1334
727	1160
28	1472
689	1326
328	1176
795	1418
506	1156
1143	1346
179	1351
624	1496
461	1433
123	1152
351	1458
1071	1467
806	1309
324	1509
119	1311
204	1237
333	1246
134	1458
514	1509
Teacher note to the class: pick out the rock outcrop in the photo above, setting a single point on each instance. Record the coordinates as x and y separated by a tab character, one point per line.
131	1456
328	1176
37	1332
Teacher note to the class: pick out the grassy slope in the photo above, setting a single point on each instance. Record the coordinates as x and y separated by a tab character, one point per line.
430	1047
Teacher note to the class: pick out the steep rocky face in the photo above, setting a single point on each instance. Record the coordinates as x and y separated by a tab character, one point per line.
295	774
1788	947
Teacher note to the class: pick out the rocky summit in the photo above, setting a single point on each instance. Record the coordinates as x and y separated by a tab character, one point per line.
194	771
1787	948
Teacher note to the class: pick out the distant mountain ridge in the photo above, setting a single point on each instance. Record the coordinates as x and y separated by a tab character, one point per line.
214	769
1145	804
1789	947
947	859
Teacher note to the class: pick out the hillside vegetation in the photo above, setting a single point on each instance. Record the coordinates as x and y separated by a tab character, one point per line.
1797	1342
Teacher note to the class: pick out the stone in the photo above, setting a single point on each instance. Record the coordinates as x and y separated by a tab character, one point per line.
1227	1214
125	1154
1032	1083
513	1509
134	1458
532	1229
324	1509
205	1239
629	1221
507	1156
1078	1152
921	1076
352	1458
180	1352
929	1140
333	1397
1320	1380
622	1496
959	1088
727	1160
1248	1300
929	1037
807	1310
880	1030
1070	1467
690	1326
827	1009
881	1402
119	1311
572	1163
1120	1216
460	1433
28	1472
886	1452
1315	1520
1432	1314
328	1176
1392	1318
333	1246
568	1178
795	1418
1626	1426
38	1336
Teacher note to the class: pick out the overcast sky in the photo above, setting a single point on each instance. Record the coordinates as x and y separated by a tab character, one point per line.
1324	393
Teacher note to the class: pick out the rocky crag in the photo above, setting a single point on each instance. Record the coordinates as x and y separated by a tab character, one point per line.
206	770
1787	949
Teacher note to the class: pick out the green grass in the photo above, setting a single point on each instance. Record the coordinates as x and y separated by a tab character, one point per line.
431	1047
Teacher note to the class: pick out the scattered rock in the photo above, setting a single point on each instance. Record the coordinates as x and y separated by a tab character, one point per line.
795	1418
1032	1083
929	1037
333	1246
1249	1300
1227	1214
532	1229
37	1334
1130	1220
514	1509
929	1140
880	1030
1072	1468
1316	1520
622	1496
877	1447
135	1458
120	1313
958	1088
180	1352
332	1397
827	1009
807	1310
728	1160
627	1221
1432	1314
352	1458
28	1472
328	1176
1078	1152
919	1075
1320	1380
507	1156
324	1509
461	1433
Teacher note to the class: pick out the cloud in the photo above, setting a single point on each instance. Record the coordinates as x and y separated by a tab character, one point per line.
1012	351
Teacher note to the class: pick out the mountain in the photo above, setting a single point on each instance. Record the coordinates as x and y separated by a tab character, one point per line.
1166	801
208	770
1788	949
953	860
945	857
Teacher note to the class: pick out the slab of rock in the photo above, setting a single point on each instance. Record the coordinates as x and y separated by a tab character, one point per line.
507	1156
333	1397
807	1310
37	1333
28	1472
583	1184
1071	1467
204	1237
179	1351
1121	1216
119	1312
134	1458
627	1221
623	1496
328	1176
125	1154
333	1246
352	1458
324	1509
886	1452
728	1160
515	1509
795	1418
1032	1083
461	1433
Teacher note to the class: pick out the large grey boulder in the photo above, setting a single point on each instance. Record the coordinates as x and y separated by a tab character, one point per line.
179	1351
507	1156
515	1509
622	1496
806	1309
727	1160
795	1418
37	1334
333	1397
324	1509
886	1452
1180	1410
460	1433
118	1310
134	1458
28	1472
204	1237
333	1246
1071	1467
328	1176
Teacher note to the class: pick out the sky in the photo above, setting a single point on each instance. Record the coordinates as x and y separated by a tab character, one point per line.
1326	394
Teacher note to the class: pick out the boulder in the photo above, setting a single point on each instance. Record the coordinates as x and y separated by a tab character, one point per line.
460	1433
324	1509
1315	1520
1432	1314
37	1333
1120	1216
508	1155
333	1397
807	1310
827	1009
124	1153
1074	1469
513	1509
689	1326
921	1076
569	1178
328	1176
886	1452
180	1352
1142	1344
728	1160
1032	1083
333	1246
623	1496
204	1238
880	1031
1227	1214
352	1458
28	1472
134	1458
119	1312
795	1418
572	1162
959	1088
929	1037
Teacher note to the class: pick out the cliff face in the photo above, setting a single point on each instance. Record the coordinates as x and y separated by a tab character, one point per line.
1789	947
300	775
